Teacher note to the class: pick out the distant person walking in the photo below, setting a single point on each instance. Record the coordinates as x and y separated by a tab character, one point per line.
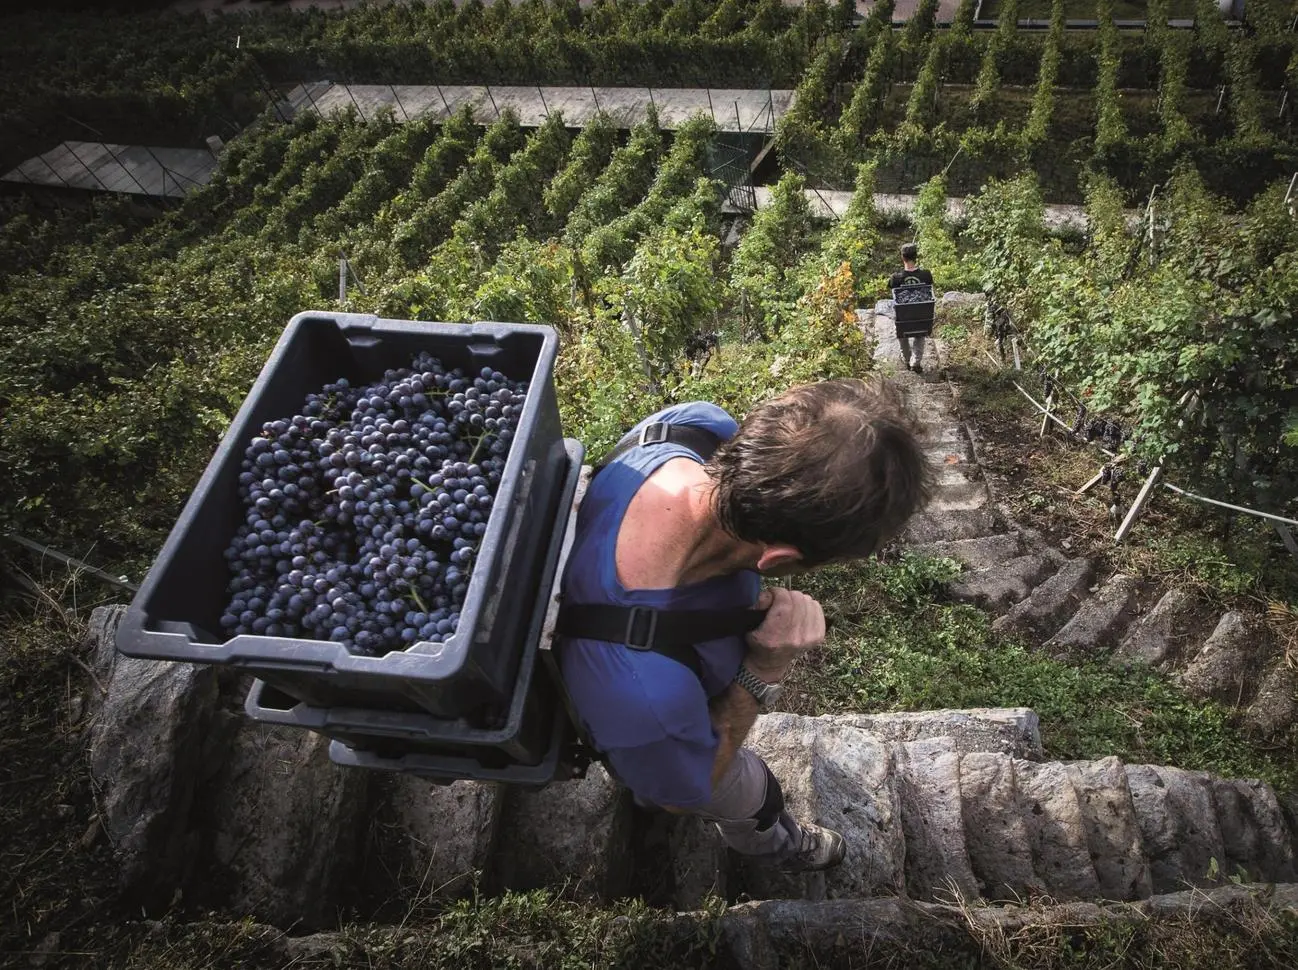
911	274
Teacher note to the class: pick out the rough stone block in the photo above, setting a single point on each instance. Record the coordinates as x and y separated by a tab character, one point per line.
1008	730
983	552
1275	708
443	834
147	737
999	587
928	789
699	862
1229	664
1178	825
1051	603
1254	830
1100	621
285	824
1061	854
996	834
570	833
1165	633
1111	829
835	775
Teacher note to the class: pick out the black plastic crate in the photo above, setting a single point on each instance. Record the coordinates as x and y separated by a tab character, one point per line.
175	615
444	769
914	318
524	738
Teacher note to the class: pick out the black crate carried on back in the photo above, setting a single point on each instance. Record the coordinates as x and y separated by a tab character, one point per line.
524	749
914	307
471	675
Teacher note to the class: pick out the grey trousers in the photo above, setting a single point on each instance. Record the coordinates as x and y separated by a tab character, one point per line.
737	800
905	343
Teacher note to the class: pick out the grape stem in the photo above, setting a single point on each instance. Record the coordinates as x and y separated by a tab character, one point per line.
423	607
476	445
428	488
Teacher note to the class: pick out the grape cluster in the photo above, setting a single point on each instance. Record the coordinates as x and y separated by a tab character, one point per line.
364	512
917	295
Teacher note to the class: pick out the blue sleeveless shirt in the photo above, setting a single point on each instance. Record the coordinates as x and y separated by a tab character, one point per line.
646	712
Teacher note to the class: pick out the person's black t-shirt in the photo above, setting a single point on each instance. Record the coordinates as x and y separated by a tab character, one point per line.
906	277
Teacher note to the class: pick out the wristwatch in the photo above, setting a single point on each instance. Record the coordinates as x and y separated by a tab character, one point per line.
766	694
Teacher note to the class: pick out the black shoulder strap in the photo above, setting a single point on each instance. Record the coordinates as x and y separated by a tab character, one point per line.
672	633
698	440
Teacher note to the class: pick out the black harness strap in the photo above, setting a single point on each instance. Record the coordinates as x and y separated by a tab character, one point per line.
671	633
698	440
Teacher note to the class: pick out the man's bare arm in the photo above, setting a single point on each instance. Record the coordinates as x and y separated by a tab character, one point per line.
733	713
794	624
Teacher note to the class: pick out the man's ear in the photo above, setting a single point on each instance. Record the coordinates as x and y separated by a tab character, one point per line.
778	556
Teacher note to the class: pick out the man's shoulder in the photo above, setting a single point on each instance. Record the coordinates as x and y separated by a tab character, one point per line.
700	413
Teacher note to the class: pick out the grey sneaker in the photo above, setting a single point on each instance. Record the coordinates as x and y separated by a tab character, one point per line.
820	849
917	367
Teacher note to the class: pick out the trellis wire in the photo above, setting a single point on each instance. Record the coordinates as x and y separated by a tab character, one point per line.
1279	521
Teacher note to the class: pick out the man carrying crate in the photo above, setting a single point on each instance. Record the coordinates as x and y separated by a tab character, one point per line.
669	646
910	275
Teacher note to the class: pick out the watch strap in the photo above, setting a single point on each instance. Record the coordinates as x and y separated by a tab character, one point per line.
764	693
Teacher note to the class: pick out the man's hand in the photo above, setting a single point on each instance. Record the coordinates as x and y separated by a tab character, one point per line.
794	624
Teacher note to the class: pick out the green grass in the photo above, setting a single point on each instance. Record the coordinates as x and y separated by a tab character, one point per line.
893	646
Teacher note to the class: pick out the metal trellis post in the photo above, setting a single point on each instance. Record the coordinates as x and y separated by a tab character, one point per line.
397	98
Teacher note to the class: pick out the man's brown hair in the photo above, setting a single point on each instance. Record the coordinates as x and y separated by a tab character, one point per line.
833	469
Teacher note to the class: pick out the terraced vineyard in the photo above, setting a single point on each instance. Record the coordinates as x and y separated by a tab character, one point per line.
131	331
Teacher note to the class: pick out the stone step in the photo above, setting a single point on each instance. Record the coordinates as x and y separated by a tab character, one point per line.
950	454
1112	831
999	587
1275	706
1166	633
1229	665
928	790
1254	831
575	833
982	552
836	775
1057	830
1100	621
282	824
1051	603
958	474
700	863
967	497
944	525
996	831
1007	730
437	836
1178	825
777	934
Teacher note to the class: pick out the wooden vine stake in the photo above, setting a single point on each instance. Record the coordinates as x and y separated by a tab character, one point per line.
1045	415
1138	505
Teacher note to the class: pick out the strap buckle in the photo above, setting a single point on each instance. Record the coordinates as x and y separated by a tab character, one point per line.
641	627
654	434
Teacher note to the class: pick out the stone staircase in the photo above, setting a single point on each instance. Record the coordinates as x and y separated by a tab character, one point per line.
944	815
1066	604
